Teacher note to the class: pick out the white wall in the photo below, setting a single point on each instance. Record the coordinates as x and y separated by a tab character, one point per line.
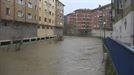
123	29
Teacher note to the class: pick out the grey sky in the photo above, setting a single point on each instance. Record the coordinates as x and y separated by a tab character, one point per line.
72	5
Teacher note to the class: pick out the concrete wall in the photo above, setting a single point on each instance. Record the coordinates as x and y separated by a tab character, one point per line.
13	31
100	33
58	31
124	29
41	31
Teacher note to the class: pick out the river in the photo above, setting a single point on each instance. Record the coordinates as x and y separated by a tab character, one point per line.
73	56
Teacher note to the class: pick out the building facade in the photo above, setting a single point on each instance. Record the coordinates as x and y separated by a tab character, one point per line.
84	21
46	18
17	19
59	21
80	22
70	23
123	21
102	15
28	18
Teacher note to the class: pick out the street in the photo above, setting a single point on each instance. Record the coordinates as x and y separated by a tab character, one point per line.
73	56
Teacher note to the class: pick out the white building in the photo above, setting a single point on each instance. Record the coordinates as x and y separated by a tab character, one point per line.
123	21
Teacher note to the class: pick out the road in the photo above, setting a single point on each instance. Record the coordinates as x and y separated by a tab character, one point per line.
73	56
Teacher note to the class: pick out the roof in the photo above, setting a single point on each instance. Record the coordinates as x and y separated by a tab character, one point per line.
61	2
102	7
83	10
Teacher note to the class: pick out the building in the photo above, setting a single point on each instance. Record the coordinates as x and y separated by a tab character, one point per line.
65	25
80	21
17	19
84	21
46	18
30	18
70	23
123	21
59	21
102	15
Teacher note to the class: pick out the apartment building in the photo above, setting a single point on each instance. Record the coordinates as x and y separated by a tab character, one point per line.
85	21
29	18
102	15
59	21
46	18
70	24
18	18
80	21
123	21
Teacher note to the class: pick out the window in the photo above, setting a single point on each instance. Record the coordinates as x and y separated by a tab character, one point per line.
45	19
20	14
43	27
35	17
29	16
38	27
39	18
8	11
21	2
49	20
50	12
47	27
5	24
35	7
30	5
45	2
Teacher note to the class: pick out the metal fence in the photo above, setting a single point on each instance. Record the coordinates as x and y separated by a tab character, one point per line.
122	57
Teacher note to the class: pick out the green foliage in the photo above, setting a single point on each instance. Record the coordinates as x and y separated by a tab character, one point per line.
110	69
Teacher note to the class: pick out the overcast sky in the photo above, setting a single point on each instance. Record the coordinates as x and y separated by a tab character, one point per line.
71	5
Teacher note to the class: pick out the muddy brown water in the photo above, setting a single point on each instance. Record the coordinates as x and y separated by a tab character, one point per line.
73	56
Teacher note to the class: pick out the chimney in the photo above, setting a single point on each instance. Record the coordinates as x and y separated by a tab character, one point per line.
99	6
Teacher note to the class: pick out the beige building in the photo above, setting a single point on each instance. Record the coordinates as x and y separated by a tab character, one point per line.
29	18
59	14
59	21
19	18
46	18
7	9
20	10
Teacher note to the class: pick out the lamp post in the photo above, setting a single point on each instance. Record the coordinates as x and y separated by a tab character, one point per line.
104	23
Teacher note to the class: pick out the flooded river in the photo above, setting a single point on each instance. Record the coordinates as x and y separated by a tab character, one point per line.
73	56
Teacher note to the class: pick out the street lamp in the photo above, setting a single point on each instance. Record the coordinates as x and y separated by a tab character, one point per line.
104	23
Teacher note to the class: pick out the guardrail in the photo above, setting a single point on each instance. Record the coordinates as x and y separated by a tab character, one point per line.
122	57
23	41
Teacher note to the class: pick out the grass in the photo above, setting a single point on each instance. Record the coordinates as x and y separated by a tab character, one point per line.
110	69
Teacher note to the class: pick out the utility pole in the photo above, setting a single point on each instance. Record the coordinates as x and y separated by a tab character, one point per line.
104	24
